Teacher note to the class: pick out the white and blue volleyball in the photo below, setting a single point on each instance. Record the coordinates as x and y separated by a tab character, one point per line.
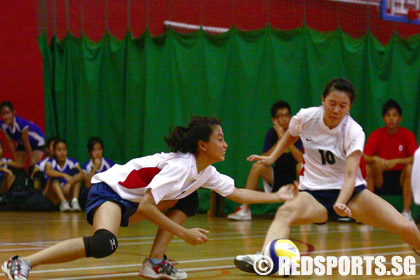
284	254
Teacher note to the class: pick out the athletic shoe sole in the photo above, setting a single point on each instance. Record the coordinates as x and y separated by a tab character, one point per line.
239	219
157	277
244	266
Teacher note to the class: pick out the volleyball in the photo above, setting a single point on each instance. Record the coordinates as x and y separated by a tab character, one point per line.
284	255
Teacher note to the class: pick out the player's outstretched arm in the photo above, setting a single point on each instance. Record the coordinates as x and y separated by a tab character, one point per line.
251	197
280	147
148	209
352	165
266	160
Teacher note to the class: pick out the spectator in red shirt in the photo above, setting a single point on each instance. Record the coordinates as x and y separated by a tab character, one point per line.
389	157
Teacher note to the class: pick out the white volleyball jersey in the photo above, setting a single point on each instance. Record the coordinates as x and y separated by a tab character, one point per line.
415	177
325	149
170	176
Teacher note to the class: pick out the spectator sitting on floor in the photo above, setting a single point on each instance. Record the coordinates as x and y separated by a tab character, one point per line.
66	176
389	157
286	168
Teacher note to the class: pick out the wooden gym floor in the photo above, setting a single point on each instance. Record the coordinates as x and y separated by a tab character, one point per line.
26	232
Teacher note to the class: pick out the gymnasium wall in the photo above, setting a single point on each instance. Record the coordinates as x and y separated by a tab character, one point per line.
22	81
21	78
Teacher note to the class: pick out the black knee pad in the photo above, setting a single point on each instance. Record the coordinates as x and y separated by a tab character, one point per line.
74	171
39	176
102	244
189	204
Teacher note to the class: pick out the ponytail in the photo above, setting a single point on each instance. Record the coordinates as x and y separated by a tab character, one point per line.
185	139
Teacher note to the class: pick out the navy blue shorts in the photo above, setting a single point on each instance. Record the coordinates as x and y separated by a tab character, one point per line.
328	197
100	193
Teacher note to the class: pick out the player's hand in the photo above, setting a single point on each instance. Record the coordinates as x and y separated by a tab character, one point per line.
266	160
195	236
277	127
342	210
288	192
381	163
97	163
391	163
68	178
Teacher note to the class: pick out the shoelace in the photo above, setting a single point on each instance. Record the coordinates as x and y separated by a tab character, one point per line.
167	267
18	269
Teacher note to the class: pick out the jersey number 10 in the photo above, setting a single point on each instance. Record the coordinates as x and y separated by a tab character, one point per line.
327	157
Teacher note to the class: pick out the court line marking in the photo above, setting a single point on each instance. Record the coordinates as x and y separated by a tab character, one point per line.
217	259
186	270
136	273
126	265
233	234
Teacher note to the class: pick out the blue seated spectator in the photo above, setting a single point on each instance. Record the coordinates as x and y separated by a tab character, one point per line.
66	176
97	162
41	180
6	174
29	138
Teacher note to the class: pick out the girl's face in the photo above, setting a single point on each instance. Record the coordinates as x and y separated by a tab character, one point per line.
336	105
60	152
7	115
215	148
97	151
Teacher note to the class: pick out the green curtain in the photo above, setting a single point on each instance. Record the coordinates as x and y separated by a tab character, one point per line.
131	92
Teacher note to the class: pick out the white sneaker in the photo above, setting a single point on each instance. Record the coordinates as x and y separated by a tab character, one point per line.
407	214
246	262
16	269
344	220
75	207
64	206
241	214
163	270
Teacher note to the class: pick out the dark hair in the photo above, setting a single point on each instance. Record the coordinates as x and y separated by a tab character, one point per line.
92	141
391	104
279	105
59	140
51	139
340	84
1	144
6	104
185	139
